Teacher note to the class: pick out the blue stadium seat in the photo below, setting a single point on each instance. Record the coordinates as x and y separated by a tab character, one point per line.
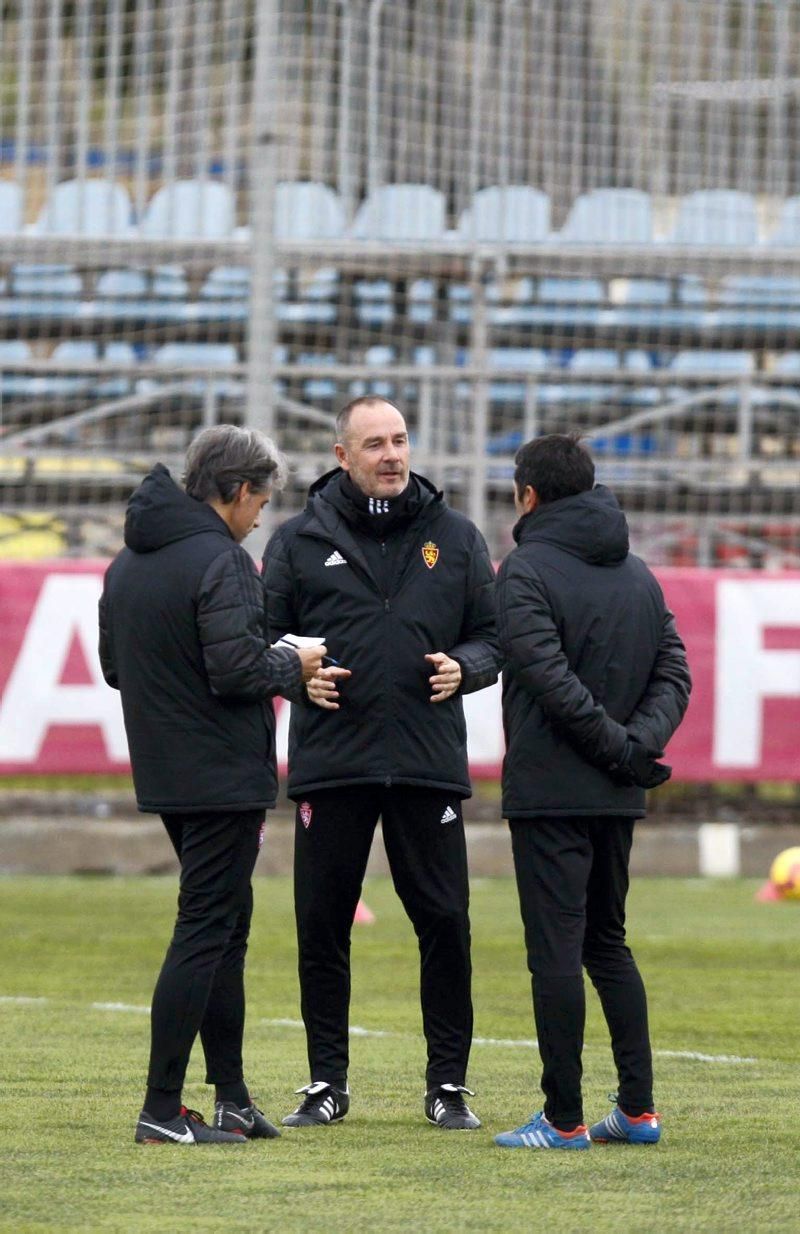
716	216
91	207
643	292
787	231
46	280
307	210
322	388
226	283
169	283
401	212
11	211
787	364
570	291
122	284
717	363
374	302
511	214
422	301
189	210
14	384
609	216
757	289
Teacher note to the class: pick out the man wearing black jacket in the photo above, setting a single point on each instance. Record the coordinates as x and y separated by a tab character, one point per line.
595	684
183	638
402	589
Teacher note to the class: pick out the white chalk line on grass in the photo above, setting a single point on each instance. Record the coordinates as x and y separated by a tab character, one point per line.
356	1030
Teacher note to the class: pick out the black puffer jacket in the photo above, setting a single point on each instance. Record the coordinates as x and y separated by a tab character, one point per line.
183	637
593	657
319	581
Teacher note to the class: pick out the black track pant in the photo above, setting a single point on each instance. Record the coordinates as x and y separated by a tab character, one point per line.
572	877
428	861
201	984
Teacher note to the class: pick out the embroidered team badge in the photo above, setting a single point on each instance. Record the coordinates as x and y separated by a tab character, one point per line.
306	812
430	554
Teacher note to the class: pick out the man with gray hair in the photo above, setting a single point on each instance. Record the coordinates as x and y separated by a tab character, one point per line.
183	637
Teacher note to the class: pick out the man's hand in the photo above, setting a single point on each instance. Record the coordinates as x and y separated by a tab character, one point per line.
637	766
311	659
322	688
447	677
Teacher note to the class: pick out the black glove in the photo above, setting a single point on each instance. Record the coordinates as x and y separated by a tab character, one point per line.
640	768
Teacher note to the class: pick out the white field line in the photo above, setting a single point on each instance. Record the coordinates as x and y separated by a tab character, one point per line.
357	1031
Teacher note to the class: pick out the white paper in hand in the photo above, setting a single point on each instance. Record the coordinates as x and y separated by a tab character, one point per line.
299	640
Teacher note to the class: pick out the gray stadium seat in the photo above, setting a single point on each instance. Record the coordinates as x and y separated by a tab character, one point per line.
87	208
716	216
401	212
512	214
307	210
190	209
609	216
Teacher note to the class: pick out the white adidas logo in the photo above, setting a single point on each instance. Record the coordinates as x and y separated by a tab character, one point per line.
449	815
336	559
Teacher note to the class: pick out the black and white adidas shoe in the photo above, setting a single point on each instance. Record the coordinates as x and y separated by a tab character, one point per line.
188	1128
250	1121
322	1104
445	1107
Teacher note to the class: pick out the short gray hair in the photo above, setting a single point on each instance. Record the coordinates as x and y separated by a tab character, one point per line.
363	400
222	458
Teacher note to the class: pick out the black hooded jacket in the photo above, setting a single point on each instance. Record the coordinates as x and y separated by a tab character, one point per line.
434	592
592	658
183	637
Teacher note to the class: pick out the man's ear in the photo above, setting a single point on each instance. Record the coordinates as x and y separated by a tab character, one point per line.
244	491
529	500
341	454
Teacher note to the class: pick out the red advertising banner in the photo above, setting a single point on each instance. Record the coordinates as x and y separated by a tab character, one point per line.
741	629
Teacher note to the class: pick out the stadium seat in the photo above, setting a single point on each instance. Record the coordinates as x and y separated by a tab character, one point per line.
644	292
169	283
513	213
11	213
401	212
226	283
87	208
787	364
722	363
788	230
12	383
422	301
588	359
188	210
571	291
609	216
307	210
757	289
322	388
122	284
374	303
200	355
716	216
46	280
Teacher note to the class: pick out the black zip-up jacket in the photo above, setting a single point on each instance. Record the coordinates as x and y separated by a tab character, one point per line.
439	597
183	638
592	658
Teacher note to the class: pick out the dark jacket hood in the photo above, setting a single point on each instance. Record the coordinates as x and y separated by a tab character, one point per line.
160	512
328	486
589	525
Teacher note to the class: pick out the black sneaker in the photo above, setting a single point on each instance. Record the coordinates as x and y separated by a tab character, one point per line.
322	1104
188	1128
250	1121
445	1107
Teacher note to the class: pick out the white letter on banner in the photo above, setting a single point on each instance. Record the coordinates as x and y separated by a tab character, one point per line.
745	672
35	697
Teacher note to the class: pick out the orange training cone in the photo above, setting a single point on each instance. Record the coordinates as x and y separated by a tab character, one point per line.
364	915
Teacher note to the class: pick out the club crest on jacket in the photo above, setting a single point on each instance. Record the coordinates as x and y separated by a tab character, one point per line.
430	553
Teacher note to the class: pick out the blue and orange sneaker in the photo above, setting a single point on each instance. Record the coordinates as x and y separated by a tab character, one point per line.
539	1133
619	1128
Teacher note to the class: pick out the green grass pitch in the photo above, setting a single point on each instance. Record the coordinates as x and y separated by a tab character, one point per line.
722	974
